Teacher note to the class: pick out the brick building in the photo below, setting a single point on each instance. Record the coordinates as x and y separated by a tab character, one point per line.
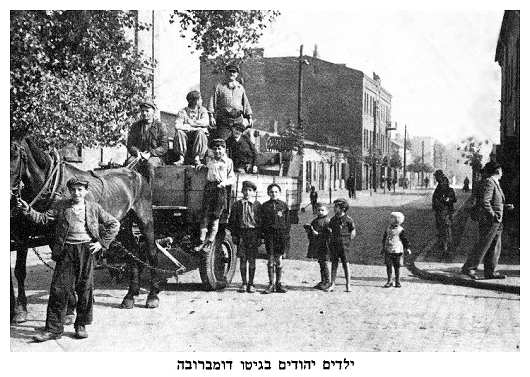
508	152
338	103
508	57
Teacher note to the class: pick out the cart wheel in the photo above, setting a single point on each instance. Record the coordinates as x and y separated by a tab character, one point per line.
219	265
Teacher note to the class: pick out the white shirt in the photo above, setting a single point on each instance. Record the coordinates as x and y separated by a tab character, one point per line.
221	170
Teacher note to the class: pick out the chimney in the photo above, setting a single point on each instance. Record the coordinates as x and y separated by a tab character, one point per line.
315	52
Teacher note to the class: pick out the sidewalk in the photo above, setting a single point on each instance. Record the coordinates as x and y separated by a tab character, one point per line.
427	265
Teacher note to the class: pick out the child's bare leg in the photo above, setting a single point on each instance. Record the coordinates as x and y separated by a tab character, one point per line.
270	270
213	230
346	268
334	267
278	263
202	233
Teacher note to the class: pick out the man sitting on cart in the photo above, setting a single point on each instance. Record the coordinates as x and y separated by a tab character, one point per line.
147	141
192	123
242	151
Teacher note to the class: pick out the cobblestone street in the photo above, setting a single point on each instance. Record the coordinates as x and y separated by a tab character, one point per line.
421	316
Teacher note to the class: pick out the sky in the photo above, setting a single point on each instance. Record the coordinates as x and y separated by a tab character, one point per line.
439	66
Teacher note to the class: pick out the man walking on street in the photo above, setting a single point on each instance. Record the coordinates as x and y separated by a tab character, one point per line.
443	200
350	185
229	106
491	208
148	141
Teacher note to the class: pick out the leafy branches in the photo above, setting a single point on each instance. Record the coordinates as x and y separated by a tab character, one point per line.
223	35
75	76
470	151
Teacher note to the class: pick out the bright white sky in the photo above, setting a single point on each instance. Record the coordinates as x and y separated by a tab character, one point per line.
439	66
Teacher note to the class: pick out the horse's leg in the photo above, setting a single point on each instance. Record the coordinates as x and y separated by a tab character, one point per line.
144	214
127	238
21	311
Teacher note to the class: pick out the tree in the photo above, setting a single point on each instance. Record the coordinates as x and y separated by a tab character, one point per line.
395	160
75	76
223	35
471	153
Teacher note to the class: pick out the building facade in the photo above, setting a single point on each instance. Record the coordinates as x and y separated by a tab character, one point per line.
508	57
339	104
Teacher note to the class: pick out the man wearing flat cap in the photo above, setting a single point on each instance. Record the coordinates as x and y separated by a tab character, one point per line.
491	206
191	126
229	106
147	141
242	151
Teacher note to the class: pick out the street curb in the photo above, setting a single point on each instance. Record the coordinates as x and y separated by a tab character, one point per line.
454	280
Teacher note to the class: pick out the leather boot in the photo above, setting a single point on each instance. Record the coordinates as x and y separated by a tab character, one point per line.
270	288
279	287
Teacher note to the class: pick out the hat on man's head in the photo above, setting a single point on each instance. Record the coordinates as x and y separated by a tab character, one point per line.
232	68
193	95
147	103
240	126
75	181
250	185
218	142
438	174
491	167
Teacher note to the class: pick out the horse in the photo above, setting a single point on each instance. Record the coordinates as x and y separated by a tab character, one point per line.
38	177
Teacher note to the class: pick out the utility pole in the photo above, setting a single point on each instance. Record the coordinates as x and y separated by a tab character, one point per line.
405	156
422	161
300	78
374	139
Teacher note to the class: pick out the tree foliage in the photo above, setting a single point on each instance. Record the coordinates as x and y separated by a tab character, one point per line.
417	166
223	35
395	160
471	152
75	76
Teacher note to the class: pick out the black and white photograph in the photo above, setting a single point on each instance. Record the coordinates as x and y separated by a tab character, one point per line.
317	182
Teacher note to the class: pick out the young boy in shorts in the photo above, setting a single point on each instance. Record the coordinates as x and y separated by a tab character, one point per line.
342	233
276	227
318	234
244	224
220	175
82	228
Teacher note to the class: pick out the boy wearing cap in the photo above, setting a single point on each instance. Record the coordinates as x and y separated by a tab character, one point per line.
242	151
229	106
244	224
192	122
276	229
147	140
82	228
342	233
220	174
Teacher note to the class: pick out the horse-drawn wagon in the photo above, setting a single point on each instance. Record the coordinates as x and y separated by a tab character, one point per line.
177	203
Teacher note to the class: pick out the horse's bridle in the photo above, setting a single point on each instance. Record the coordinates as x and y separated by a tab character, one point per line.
55	175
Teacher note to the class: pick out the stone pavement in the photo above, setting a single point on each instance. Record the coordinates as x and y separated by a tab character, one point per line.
427	263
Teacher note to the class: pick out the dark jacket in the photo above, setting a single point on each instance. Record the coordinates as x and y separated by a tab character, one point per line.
154	141
101	226
242	152
341	228
318	244
236	215
274	216
443	198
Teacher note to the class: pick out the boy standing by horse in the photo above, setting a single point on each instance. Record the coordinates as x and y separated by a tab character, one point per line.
82	228
220	174
244	225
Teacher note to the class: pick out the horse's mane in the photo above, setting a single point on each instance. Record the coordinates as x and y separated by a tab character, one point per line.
41	157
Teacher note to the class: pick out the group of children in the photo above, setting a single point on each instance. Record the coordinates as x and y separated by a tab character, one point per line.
83	228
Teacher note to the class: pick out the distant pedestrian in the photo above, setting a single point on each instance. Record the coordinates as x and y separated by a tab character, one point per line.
389	183
395	246
394	182
245	226
313	197
342	233
350	186
443	200
426	181
276	228
318	233
466	185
